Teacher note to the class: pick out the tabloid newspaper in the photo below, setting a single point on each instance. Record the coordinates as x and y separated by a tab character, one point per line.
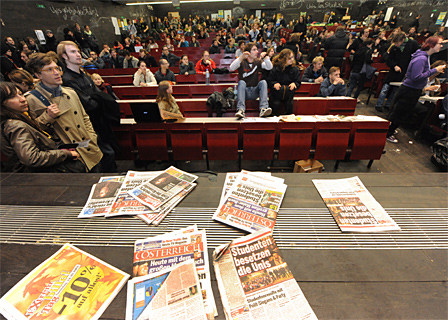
255	283
71	284
157	253
173	293
163	187
124	204
167	206
252	203
353	207
102	197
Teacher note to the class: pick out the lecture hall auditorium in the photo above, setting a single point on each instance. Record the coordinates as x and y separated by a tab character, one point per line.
390	275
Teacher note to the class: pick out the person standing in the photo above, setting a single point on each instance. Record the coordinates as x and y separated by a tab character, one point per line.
59	109
416	79
92	101
336	46
362	55
248	66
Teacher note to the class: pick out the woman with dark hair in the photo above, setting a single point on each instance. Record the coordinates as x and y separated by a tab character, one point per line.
283	81
22	79
143	77
166	101
32	45
416	79
29	148
186	67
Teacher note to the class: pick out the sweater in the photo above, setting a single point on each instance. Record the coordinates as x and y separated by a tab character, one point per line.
418	71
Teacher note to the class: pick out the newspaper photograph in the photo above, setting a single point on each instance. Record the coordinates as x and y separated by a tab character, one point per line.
173	293
256	283
124	204
353	207
163	187
252	203
71	284
157	253
101	197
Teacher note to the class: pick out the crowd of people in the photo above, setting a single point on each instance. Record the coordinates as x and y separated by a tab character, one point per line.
52	99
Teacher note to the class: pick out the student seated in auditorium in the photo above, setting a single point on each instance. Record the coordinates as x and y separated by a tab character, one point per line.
231	48
283	80
94	62
241	32
103	86
182	42
116	61
240	50
147	58
186	67
205	64
249	86
59	109
27	147
167	104
334	85
214	48
129	60
128	45
143	77
168	44
164	73
194	43
169	56
316	72
23	80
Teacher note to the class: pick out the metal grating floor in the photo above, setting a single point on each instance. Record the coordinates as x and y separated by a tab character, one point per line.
296	228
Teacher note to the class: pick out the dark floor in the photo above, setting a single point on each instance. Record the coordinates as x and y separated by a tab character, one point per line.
409	155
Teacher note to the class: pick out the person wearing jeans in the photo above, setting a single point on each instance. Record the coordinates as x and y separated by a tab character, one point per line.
249	86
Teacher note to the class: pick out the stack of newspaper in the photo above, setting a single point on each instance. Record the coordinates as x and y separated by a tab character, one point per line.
256	283
250	200
151	295
71	284
149	195
353	207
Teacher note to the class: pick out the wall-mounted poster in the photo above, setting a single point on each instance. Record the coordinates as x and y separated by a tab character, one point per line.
221	13
440	19
214	16
388	13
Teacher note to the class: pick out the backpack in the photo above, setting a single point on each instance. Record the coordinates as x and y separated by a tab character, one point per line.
440	154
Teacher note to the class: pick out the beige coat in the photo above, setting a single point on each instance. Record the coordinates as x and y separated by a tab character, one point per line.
72	124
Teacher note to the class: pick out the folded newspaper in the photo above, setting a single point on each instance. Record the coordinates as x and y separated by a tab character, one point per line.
172	293
256	283
353	207
157	253
252	201
71	284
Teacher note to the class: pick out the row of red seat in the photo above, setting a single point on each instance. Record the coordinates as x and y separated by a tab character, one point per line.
196	91
360	140
302	105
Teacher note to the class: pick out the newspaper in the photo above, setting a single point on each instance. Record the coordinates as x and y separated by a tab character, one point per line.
157	253
172	293
353	207
101	197
124	204
168	206
71	284
252	203
163	187
255	283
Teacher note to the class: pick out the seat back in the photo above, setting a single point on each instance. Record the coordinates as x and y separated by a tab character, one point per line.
369	139
186	141
332	140
152	142
258	140
294	140
222	140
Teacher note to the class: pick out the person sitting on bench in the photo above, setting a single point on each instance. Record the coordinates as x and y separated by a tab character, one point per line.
249	86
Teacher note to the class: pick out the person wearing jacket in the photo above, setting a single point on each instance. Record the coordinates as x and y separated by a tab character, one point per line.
283	81
205	64
416	79
62	114
334	85
316	72
186	67
361	56
103	86
116	61
397	57
27	147
143	77
129	60
336	46
168	56
164	72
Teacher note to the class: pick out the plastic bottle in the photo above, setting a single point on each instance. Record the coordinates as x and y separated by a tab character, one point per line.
235	91
207	77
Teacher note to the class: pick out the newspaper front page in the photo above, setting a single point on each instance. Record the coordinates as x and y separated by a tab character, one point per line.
157	253
353	207
71	285
163	187
255	283
173	293
102	196
124	204
252	203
